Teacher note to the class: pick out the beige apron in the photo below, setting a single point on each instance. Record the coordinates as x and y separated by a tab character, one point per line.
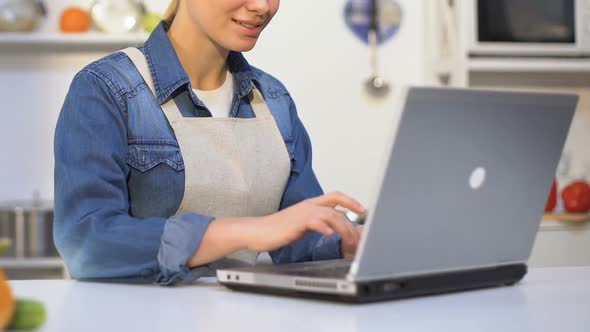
233	167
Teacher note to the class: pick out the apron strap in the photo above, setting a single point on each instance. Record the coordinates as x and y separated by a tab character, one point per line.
171	111
170	108
258	104
142	66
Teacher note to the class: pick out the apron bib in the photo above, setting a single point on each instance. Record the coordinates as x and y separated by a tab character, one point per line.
233	167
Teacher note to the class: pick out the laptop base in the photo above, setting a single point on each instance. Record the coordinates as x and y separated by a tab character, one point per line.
381	290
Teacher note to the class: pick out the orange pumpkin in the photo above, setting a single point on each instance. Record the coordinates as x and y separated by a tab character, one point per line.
6	302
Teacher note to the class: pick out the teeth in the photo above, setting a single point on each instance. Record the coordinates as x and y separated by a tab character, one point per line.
248	25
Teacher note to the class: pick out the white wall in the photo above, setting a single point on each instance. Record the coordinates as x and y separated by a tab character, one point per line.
324	67
33	85
33	88
307	46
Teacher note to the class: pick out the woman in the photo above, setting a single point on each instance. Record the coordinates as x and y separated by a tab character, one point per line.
172	160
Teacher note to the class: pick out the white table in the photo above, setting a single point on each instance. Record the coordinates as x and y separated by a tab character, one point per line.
552	299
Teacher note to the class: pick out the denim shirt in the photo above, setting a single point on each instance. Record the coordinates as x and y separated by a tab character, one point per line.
119	172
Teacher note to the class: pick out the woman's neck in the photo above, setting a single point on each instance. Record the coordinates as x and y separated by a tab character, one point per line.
204	61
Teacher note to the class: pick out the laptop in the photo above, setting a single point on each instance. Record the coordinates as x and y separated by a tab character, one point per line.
458	205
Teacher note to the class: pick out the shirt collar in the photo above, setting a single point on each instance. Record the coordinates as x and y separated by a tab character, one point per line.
169	75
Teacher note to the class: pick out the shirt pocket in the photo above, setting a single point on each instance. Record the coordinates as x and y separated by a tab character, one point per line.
145	155
156	178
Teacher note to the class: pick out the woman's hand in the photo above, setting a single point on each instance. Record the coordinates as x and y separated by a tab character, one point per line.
312	215
228	235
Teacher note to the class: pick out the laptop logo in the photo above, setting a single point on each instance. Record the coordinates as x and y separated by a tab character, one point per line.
477	178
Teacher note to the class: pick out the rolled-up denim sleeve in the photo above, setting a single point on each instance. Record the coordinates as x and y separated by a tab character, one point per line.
303	184
182	235
93	229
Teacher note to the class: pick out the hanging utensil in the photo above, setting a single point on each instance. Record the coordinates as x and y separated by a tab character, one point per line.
375	85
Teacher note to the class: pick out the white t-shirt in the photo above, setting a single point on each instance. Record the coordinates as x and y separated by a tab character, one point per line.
219	101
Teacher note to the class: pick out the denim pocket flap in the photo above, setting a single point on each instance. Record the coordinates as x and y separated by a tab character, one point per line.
144	157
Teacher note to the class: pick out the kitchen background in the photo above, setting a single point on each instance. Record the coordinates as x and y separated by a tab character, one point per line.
312	49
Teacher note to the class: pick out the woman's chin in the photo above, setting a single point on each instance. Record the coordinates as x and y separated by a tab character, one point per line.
243	45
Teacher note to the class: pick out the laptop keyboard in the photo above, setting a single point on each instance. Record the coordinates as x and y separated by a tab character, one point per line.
331	270
337	268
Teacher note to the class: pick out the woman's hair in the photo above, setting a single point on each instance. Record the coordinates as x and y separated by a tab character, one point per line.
171	11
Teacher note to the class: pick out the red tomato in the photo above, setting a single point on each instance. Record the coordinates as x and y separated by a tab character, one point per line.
576	197
552	201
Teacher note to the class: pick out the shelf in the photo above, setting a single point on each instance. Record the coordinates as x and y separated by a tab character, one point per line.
91	41
31	263
565	222
567	217
528	65
559	226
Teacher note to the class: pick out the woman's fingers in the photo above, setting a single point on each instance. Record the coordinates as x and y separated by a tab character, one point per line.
337	198
338	222
320	226
352	227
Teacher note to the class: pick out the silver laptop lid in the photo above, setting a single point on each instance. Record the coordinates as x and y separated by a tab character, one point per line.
467	179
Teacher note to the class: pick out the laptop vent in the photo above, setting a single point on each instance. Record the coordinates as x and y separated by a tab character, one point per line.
316	284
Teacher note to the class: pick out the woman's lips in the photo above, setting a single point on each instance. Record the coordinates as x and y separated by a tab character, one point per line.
249	28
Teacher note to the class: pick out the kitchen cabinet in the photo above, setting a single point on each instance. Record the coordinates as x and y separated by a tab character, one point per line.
562	244
34	268
558	243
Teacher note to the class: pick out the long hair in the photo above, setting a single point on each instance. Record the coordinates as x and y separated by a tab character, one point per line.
171	11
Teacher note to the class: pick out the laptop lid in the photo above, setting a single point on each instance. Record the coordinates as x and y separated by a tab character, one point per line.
466	182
